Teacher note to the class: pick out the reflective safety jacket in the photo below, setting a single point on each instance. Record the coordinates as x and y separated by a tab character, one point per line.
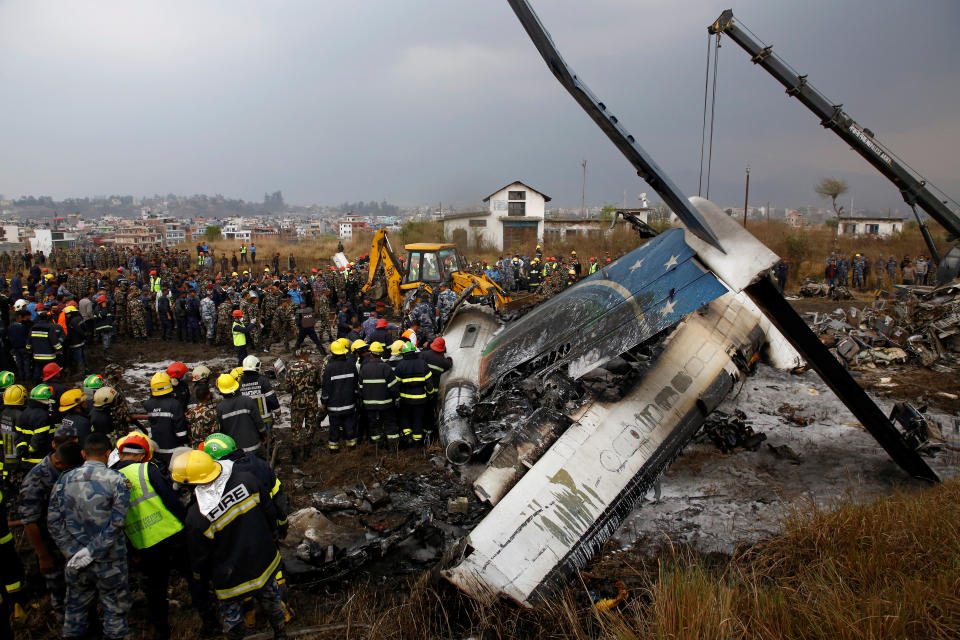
415	379
339	388
240	332
378	385
46	340
438	363
233	545
8	428
155	285
149	520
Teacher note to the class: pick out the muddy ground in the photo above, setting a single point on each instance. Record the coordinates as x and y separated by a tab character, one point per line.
708	501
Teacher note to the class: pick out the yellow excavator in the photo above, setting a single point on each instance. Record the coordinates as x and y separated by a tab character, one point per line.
427	265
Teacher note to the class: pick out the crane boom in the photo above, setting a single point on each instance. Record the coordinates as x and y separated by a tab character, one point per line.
833	117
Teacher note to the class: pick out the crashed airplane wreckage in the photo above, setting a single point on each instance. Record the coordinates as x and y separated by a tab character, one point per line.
698	300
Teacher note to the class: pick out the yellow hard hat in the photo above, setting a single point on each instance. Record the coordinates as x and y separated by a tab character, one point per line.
160	384
337	348
227	383
234	273
15	395
70	399
344	341
236	373
358	345
376	347
70	309
396	347
194	466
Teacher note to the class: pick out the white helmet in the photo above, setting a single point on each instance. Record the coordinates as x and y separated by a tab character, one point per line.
19	304
251	363
201	372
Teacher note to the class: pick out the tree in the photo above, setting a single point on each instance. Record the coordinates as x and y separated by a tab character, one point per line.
212	233
832	188
606	214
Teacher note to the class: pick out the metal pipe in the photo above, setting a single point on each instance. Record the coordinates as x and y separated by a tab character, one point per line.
456	434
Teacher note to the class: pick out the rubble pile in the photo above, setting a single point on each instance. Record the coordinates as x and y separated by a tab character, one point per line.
730	431
813	289
923	328
399	526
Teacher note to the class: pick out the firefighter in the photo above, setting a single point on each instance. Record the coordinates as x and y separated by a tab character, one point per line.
416	384
181	390
379	392
254	384
168	425
337	394
101	416
73	414
154	528
46	341
34	427
439	363
231	528
239	417
14	401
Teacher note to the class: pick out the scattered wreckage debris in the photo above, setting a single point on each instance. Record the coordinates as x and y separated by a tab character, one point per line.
792	414
786	452
730	431
923	329
813	289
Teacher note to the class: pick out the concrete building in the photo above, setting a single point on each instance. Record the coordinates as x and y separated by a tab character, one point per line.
514	218
233	231
348	226
881	226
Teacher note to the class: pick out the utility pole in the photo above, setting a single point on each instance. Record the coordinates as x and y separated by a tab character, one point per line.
746	199
583	191
768	211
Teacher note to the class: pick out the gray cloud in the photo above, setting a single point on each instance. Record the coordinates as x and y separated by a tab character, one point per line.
425	100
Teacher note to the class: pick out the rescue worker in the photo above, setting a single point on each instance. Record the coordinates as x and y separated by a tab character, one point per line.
439	363
306	323
86	517
154	527
75	339
254	384
181	391
34	498
90	385
416	384
303	381
103	322
34	427
202	417
240	334
231	528
337	394
101	416
46	341
239	417
14	401
379	392
11	573
168	425
73	414
445	301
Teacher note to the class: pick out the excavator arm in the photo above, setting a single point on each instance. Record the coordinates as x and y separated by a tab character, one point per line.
382	256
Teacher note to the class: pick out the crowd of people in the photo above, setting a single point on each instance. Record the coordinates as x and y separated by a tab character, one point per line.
861	272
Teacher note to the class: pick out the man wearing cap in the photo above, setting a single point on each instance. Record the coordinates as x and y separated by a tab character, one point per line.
416	383
76	339
303	380
369	325
306	322
208	314
445	301
86	518
73	416
379	393
338	395
239	417
251	314
382	333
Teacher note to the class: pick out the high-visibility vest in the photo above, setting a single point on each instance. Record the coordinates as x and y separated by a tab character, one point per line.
239	338
155	283
593	267
243	249
200	261
148	519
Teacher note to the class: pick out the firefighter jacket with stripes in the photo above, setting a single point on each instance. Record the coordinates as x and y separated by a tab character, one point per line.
415	379
46	340
34	432
233	545
76	331
253	464
339	389
168	425
257	386
239	418
438	363
378	385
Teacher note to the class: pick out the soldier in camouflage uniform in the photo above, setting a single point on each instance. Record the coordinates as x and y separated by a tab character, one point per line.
321	312
550	287
119	409
202	417
224	322
422	314
282	324
445	301
86	518
251	311
271	300
136	322
120	309
208	316
303	381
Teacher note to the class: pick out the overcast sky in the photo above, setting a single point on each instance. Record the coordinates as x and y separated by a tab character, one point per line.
420	101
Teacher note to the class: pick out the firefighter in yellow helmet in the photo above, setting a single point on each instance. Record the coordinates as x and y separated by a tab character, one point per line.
168	424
